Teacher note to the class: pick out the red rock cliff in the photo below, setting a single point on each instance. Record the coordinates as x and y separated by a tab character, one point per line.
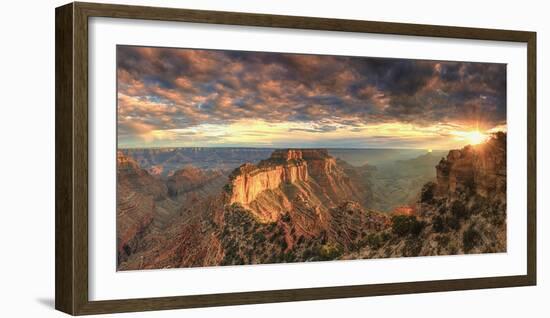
302	179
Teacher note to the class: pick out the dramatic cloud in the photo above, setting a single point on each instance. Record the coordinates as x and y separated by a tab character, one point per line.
169	97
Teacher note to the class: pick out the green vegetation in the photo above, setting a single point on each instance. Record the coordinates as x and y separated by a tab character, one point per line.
403	225
283	243
412	247
329	252
458	210
228	188
470	239
288	257
259	237
286	218
443	240
374	241
427	192
453	222
438	224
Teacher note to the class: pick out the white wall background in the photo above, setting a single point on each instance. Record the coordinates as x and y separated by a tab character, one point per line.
27	158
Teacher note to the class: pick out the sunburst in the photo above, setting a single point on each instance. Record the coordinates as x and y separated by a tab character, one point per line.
474	137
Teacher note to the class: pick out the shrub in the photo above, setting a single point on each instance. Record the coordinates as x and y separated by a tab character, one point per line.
403	225
453	222
323	237
443	240
479	205
283	243
228	188
259	237
470	239
427	193
458	209
127	249
453	249
385	236
236	206
289	257
231	254
353	246
412	247
374	241
497	220
286	218
329	252
417	227
438	224
469	185
308	253
239	260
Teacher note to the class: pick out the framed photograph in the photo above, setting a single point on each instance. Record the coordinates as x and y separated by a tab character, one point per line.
219	158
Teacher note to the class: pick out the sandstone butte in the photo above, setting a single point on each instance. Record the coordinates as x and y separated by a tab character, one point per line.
284	166
292	179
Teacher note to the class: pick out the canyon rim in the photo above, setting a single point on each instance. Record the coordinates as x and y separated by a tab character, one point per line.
242	158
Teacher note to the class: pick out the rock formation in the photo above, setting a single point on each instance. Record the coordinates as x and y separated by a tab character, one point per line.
304	205
462	212
481	169
137	192
166	223
292	179
249	180
194	183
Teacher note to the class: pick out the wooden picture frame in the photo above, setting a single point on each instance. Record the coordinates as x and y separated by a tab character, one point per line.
71	90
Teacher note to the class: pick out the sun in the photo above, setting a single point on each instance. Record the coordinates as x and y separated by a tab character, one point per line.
472	137
475	137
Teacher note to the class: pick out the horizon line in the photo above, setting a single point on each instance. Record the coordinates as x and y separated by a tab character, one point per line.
267	148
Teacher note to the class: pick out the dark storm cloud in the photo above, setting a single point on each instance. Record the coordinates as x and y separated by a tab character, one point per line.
163	88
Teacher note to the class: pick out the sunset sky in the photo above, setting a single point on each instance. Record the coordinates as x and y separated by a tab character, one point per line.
205	98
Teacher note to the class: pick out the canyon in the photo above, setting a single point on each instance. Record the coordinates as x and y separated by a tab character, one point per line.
299	205
463	211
